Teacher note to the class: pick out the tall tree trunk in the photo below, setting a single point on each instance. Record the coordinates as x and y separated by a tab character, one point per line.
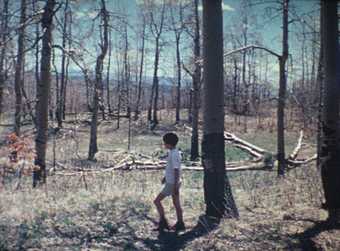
4	34
18	79
217	191
36	53
139	91
93	148
178	95
282	94
320	91
154	91
330	157
61	100
57	89
43	89
196	88
235	80
108	75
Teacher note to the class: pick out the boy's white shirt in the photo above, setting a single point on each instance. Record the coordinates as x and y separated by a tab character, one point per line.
173	162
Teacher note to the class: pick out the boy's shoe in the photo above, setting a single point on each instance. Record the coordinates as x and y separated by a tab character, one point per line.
179	226
162	225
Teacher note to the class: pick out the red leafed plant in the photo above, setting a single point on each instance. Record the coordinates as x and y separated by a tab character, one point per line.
21	154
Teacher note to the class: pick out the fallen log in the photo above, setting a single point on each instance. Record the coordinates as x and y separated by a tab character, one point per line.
295	163
255	154
233	138
253	150
297	149
129	166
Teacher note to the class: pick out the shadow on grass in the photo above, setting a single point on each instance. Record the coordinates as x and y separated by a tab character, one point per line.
306	237
174	241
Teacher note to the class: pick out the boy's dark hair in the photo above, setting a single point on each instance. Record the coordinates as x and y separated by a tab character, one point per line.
170	138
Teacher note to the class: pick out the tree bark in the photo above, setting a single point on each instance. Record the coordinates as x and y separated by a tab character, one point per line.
217	191
155	86
139	91
330	157
4	34
194	154
156	29
18	78
320	87
61	100
108	97
43	89
36	53
282	94
93	148
178	94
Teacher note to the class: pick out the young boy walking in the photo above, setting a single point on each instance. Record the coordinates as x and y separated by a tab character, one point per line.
172	183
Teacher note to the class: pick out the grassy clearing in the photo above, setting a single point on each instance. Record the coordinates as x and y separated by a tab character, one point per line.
116	211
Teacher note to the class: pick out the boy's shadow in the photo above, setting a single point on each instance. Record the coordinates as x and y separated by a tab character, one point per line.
174	241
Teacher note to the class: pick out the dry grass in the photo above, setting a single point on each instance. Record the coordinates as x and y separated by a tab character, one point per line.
116	211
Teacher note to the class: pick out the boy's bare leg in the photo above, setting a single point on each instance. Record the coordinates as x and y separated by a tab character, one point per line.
159	206
177	204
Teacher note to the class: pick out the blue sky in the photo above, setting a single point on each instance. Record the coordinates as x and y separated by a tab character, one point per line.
268	29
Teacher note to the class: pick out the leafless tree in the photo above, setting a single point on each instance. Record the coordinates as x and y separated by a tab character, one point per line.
140	77
282	92
43	89
330	158
93	148
18	81
156	19
4	37
217	191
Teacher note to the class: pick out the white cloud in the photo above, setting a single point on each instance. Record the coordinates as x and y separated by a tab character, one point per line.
225	7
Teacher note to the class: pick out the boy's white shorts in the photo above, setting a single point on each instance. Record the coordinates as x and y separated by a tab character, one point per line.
168	189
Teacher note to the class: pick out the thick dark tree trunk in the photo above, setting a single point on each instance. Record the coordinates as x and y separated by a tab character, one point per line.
196	88
330	157
18	78
93	148
43	90
282	94
319	90
217	191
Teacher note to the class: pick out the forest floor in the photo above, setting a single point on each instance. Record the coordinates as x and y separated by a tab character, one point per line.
114	210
